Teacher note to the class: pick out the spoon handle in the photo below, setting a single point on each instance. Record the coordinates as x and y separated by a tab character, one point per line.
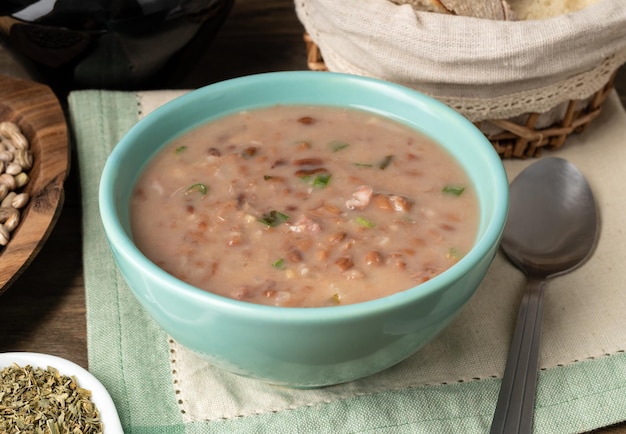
516	401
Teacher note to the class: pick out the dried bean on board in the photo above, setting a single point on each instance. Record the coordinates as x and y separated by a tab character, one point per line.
16	159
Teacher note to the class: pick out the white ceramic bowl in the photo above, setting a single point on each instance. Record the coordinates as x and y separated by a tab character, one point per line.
99	395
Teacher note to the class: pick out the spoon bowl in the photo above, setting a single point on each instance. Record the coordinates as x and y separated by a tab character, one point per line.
552	223
552	228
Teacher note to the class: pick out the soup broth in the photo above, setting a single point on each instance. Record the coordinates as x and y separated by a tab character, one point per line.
304	206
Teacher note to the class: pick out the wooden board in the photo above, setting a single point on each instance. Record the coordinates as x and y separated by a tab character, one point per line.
36	110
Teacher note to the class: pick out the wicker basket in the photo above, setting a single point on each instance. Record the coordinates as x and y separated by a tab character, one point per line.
518	138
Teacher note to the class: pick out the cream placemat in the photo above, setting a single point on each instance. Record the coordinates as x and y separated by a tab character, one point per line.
449	386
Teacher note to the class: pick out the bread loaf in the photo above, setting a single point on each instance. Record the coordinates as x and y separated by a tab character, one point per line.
424	5
488	9
500	9
540	9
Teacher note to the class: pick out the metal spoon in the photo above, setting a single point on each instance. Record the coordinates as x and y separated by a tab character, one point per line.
552	228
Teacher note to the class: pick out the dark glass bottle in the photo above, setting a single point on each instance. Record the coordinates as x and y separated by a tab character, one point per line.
111	44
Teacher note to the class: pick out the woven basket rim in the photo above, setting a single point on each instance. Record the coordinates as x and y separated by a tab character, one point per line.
518	139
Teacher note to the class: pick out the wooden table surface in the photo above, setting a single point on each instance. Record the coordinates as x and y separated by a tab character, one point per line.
44	310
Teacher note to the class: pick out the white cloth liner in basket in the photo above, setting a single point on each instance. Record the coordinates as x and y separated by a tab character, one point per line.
485	69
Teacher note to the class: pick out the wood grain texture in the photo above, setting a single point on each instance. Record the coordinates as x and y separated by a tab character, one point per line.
36	110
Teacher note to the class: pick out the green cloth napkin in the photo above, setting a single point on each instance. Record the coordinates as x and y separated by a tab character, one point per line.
131	356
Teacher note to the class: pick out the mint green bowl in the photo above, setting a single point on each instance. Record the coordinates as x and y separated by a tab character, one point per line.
303	347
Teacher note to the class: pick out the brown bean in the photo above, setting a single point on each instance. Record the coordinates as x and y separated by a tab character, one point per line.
332	209
249	152
381	201
344	263
373	257
322	255
400	265
234	239
279	162
309	162
303	145
306	120
274	178
294	256
400	203
310	172
337	237
304	244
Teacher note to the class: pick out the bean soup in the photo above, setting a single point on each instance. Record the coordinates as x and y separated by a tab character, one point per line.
304	206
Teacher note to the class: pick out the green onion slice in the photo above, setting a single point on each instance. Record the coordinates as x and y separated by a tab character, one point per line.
365	222
382	164
455	190
279	264
273	218
321	181
337	145
197	188
453	253
180	149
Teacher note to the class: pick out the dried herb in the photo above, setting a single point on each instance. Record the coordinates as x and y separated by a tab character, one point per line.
42	401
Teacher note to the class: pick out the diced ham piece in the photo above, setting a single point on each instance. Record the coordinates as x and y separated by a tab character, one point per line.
360	198
305	224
